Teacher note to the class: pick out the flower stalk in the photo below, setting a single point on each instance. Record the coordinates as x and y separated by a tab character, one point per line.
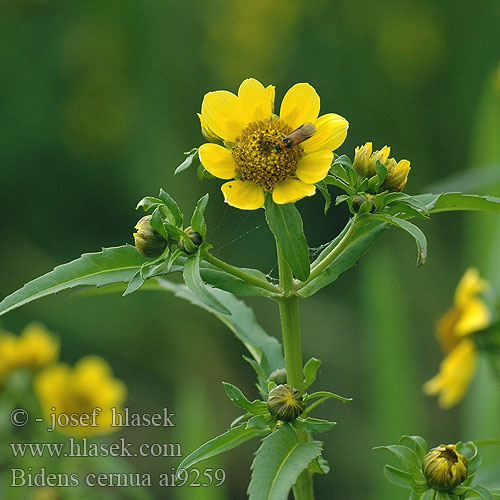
290	329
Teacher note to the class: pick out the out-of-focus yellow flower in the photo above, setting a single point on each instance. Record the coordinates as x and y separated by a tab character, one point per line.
252	135
469	314
365	164
79	391
35	348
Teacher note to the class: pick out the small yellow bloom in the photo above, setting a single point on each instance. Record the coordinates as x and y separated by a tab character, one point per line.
78	391
469	314
251	132
35	348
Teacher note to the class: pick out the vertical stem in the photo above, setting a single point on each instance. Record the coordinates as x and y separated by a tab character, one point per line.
289	313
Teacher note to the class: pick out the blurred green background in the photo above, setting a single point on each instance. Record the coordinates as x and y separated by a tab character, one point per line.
98	102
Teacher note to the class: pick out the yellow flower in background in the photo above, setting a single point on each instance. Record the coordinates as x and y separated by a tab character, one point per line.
35	348
78	391
252	135
469	314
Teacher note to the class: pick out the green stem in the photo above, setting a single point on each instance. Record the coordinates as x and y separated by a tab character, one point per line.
317	269
289	313
239	273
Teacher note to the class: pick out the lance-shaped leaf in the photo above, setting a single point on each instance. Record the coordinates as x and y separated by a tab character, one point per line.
278	463
225	442
191	274
399	477
447	202
285	223
313	425
111	265
411	229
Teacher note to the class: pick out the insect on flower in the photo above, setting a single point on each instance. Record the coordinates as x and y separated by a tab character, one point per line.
297	136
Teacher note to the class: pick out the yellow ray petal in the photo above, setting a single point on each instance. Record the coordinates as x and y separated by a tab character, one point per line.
217	160
314	167
455	374
222	113
300	105
331	131
254	100
474	316
244	195
270	89
469	286
292	190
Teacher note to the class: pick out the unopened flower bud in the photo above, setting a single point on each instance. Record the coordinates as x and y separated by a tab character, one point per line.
147	240
278	376
285	403
361	161
380	156
397	175
194	236
444	468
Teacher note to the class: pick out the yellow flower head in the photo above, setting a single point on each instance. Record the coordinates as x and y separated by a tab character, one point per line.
78	391
469	314
35	348
252	133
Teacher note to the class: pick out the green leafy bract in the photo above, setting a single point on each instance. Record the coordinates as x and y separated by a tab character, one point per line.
198	219
191	157
278	463
256	407
285	223
310	370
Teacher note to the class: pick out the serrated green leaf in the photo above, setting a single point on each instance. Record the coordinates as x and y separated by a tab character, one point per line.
285	223
326	195
313	425
191	274
177	217
278	463
242	323
198	219
310	370
238	398
319	466
192	156
225	442
447	202
411	229
398	477
362	240
111	265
